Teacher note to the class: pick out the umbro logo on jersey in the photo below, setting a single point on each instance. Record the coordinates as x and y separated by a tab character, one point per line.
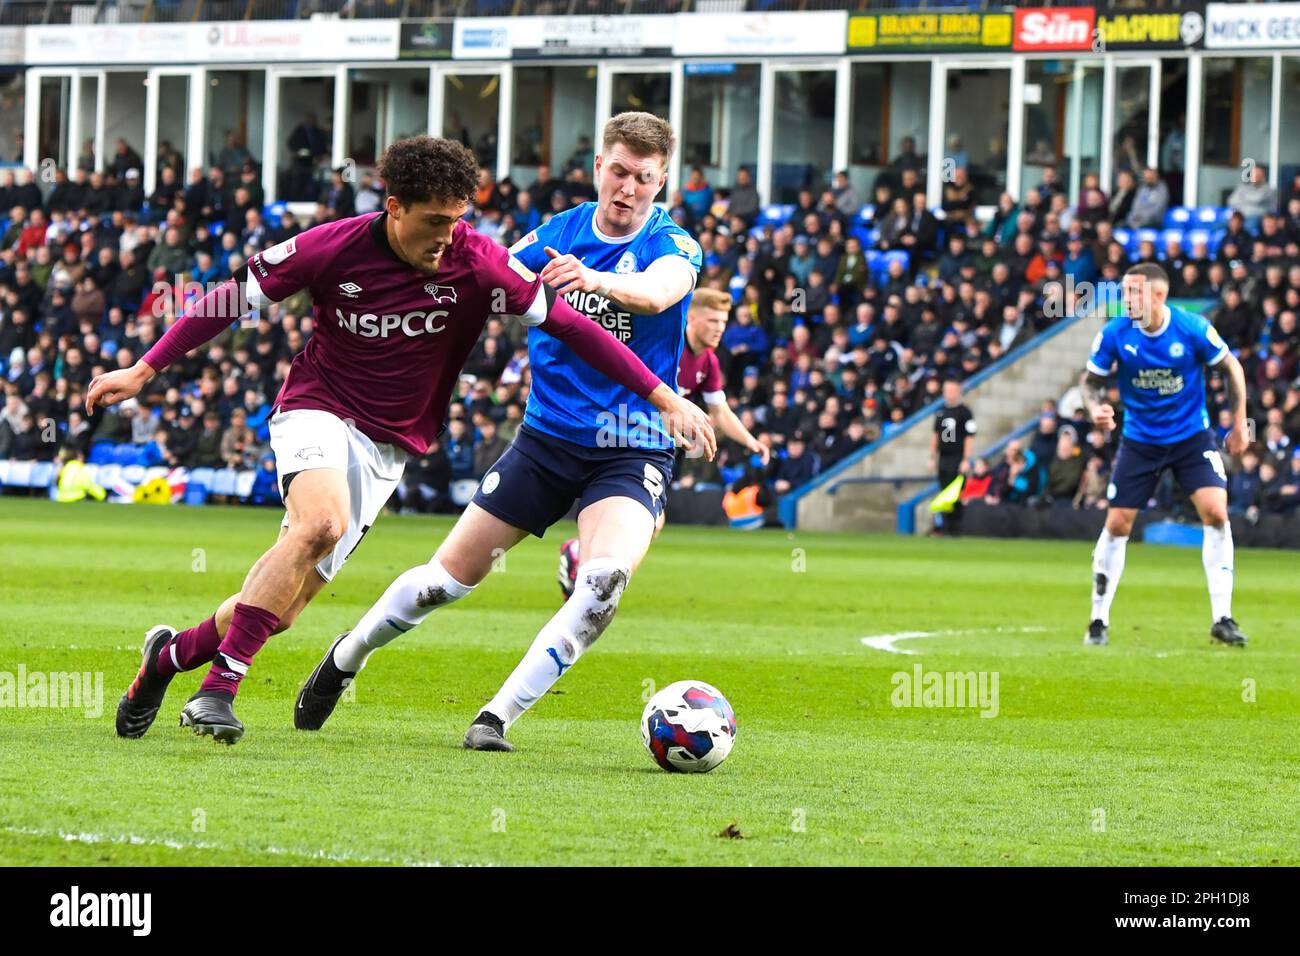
441	293
349	289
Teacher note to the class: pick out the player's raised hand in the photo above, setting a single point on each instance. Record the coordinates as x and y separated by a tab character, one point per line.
1103	416
566	273
117	386
764	453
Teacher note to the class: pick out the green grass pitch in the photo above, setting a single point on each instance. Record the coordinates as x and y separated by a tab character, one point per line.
1161	749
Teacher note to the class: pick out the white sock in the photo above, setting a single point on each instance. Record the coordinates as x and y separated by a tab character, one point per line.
1217	556
564	639
411	598
1107	564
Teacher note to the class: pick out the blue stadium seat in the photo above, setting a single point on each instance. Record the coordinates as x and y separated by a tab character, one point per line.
223	481
102	453
1178	216
1148	235
127	454
1167	234
776	215
1122	236
1213	215
272	213
885	261
201	476
1193	236
867	213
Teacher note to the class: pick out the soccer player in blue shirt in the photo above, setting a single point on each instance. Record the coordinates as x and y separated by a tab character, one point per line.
625	264
1160	353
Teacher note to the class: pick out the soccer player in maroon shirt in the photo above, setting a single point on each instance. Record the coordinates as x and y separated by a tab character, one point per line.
699	378
401	297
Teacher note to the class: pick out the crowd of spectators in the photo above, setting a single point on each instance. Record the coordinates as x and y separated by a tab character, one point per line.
846	322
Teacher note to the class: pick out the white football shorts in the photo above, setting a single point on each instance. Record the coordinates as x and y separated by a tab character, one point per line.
305	439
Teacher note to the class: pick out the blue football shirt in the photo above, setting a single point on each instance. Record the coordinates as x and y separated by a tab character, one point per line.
571	400
1161	376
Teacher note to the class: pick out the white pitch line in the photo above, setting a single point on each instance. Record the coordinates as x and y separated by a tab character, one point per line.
131	839
886	642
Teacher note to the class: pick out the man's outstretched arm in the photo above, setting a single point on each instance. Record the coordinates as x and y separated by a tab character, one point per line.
686	422
664	283
731	426
1235	375
203	321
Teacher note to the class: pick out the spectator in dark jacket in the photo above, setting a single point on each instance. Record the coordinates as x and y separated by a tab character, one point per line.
490	447
460	450
797	466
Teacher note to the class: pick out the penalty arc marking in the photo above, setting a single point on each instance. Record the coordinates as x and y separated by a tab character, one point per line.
888	642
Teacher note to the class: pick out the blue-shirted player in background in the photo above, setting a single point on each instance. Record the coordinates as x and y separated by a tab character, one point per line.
1161	352
628	266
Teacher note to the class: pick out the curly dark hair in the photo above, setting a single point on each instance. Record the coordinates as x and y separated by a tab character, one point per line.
422	168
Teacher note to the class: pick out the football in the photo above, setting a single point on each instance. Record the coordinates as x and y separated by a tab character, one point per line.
688	727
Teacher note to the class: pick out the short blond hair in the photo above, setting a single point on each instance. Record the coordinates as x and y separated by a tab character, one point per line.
711	299
643	133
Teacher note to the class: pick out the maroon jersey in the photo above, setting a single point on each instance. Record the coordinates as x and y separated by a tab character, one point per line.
389	341
699	376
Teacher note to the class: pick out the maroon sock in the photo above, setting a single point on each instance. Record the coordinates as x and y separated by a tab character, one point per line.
190	648
249	629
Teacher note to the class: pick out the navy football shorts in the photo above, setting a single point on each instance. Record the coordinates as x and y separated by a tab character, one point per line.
1195	461
539	477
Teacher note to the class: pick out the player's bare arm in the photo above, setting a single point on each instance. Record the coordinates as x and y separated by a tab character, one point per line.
665	283
1238	438
201	322
687	424
726	421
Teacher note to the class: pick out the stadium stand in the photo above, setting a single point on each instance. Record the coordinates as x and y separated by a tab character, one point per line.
849	314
